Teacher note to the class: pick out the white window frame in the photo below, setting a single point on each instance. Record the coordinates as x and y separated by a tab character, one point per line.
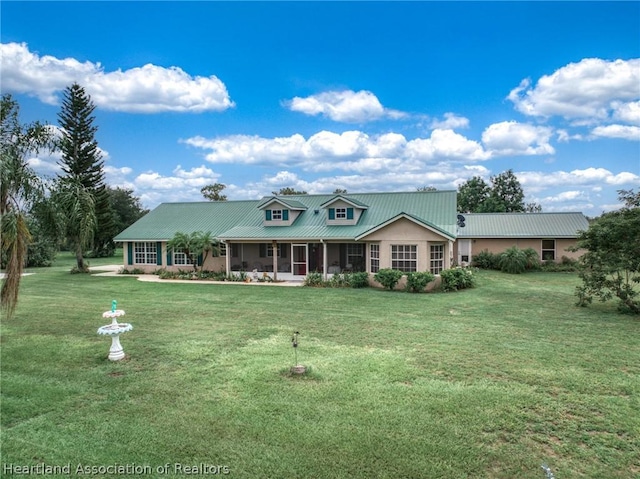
355	250
180	258
276	215
270	250
341	213
436	257
404	257
145	252
374	257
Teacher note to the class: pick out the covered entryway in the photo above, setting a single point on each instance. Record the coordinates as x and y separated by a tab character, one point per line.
299	259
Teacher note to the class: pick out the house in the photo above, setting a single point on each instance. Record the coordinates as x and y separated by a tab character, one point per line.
290	236
293	235
549	234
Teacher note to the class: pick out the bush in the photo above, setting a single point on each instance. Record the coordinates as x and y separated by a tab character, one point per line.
533	260
40	253
360	280
485	260
457	278
314	279
388	277
417	281
513	260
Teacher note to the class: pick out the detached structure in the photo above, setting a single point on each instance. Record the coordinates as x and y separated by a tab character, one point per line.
290	236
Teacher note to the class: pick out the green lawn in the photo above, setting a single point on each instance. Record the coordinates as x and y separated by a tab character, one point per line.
490	382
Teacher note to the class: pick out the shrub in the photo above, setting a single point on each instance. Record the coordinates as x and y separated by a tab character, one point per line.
533	260
417	281
485	260
457	278
360	280
388	277
40	253
314	279
513	260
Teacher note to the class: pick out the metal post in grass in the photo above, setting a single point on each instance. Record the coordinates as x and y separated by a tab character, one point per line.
297	368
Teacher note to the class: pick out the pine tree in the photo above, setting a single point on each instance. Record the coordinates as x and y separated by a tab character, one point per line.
82	163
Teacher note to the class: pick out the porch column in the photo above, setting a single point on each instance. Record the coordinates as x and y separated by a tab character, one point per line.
227	259
324	259
448	266
275	260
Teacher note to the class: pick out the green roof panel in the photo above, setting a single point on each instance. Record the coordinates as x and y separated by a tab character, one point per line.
522	225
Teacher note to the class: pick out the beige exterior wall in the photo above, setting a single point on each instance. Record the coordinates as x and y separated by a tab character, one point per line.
406	232
498	245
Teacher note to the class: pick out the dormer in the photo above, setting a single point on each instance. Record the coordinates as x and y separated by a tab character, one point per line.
280	211
342	210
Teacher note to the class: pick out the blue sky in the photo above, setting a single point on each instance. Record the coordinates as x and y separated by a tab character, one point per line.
380	96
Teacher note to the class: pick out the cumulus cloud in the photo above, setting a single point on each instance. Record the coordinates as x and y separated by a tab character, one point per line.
446	144
146	89
513	138
451	122
617	131
346	106
590	89
537	181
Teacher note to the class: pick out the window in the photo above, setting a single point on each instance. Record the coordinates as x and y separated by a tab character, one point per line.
436	252
270	250
235	250
355	256
374	253
404	257
548	250
145	253
180	258
341	213
223	249
276	215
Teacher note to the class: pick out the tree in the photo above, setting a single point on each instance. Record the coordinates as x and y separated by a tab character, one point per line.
20	188
288	191
213	192
472	195
77	206
127	208
611	265
194	245
82	162
426	188
504	195
339	191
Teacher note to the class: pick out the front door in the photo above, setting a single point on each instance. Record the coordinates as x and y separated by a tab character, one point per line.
299	259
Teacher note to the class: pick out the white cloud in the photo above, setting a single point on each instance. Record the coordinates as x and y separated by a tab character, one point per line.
451	122
589	89
146	89
617	131
345	106
537	181
627	112
512	138
446	144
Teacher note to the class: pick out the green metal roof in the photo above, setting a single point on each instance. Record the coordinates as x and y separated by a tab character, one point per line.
293	204
348	199
243	220
436	209
168	218
522	225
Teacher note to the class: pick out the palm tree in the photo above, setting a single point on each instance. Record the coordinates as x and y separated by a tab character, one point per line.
193	245
20	188
77	206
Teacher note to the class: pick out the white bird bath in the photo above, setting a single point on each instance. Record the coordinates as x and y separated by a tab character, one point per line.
114	330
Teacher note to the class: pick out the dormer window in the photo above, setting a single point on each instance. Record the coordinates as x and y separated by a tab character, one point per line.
276	215
341	213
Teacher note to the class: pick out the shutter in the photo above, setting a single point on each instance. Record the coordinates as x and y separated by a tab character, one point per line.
263	250
283	250
332	213
199	260
285	215
349	213
129	252
169	257
159	253
268	215
343	254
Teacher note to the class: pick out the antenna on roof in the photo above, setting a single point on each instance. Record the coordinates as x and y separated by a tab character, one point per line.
461	220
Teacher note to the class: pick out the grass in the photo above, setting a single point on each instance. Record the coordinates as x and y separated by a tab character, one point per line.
490	382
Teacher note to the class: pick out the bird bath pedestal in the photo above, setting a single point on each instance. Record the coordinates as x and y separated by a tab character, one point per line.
114	330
